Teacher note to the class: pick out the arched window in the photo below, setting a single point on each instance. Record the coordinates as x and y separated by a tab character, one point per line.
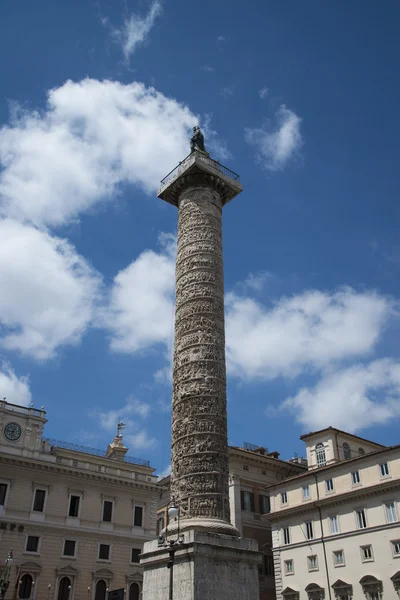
361	451
134	591
101	588
64	588
25	586
346	451
320	452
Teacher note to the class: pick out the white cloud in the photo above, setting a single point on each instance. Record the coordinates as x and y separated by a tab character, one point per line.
308	331
141	308
207	68
214	144
93	136
263	92
221	38
132	413
352	399
135	29
276	146
256	282
47	294
165	472
15	389
227	91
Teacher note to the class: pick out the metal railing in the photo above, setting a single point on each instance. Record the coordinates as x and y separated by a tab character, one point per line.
213	163
93	451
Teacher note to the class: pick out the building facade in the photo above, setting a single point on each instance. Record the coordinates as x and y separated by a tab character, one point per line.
335	528
250	470
76	519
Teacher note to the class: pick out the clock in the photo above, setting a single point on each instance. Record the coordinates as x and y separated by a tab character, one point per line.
12	431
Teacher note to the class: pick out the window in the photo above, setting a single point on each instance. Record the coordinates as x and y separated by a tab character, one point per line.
334	524
329	485
396	547
289	567
69	548
64	589
104	552
286	535
3	493
74	502
306	492
384	467
134	591
309	530
135	552
361	520
312	562
284	498
264	505
361	451
346	451
32	543
366	553
25	586
355	477
268	565
107	511
38	501
338	558
160	524
247	501
321	456
390	512
138	516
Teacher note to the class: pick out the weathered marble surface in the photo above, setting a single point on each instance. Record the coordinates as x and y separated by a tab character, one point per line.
207	567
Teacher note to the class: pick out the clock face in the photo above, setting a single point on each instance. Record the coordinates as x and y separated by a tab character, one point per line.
12	431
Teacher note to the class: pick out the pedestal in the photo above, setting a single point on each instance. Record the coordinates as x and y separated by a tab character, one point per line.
207	566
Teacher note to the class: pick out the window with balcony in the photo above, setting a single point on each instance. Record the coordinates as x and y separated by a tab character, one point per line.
69	548
39	500
309	530
312	562
289	567
366	553
320	454
361	519
107	511
306	492
384	469
334	524
346	451
286	535
390	509
338	558
355	477
329	485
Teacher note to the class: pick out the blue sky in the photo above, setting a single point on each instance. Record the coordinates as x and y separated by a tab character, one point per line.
301	99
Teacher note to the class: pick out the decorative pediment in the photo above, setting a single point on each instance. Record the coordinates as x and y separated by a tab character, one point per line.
341	588
315	591
103	573
290	594
67	570
396	581
30	567
137	576
371	584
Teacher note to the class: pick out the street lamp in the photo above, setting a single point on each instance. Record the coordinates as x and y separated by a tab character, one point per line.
171	544
5	578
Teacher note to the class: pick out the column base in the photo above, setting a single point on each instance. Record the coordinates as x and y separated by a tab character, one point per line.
207	566
201	524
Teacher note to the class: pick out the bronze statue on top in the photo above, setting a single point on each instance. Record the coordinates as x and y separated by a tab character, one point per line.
197	141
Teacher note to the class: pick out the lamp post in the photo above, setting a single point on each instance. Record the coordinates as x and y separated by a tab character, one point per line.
5	578
171	544
48	591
